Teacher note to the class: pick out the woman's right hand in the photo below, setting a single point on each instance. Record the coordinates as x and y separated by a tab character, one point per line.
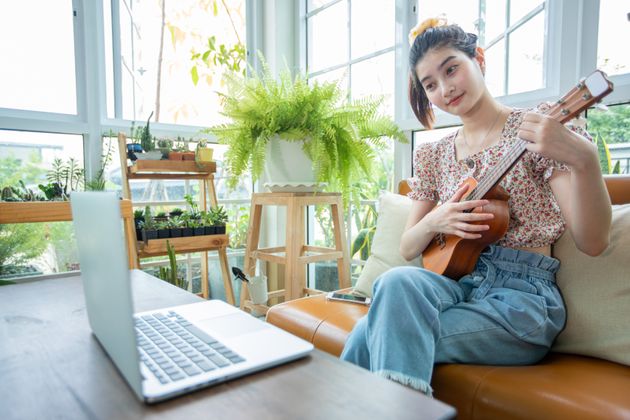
452	216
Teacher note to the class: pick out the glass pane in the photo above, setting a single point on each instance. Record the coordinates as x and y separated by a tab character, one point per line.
27	160
495	19
463	13
527	45
495	68
520	8
611	130
339	76
375	77
366	16
613	29
37	71
175	70
328	38
436	134
109	64
316	4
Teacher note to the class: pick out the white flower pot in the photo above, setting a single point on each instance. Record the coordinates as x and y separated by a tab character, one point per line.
152	155
287	168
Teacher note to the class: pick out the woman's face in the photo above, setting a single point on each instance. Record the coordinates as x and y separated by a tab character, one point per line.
452	81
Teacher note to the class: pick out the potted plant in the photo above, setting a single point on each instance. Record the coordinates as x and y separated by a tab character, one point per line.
208	223
338	138
138	216
165	146
219	219
203	153
163	229
197	227
148	226
161	216
147	141
186	220
175	226
176	212
169	273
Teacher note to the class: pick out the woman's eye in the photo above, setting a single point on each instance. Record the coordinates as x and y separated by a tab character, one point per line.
429	86
451	69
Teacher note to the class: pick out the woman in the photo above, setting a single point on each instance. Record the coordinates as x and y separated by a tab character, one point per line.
508	310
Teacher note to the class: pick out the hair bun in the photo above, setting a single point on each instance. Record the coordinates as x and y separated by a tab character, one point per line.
421	27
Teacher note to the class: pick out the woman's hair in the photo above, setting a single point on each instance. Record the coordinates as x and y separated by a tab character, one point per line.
433	34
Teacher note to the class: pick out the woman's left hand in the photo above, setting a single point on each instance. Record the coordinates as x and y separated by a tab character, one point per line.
553	140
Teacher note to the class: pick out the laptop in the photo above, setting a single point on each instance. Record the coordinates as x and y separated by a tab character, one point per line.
174	350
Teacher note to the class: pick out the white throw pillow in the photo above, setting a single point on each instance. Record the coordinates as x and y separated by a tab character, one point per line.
393	210
596	292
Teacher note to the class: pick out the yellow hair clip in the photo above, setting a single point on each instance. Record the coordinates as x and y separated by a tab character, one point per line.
421	27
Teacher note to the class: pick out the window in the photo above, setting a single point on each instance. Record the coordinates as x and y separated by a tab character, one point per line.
63	91
173	56
36	69
511	32
342	45
27	161
614	26
610	129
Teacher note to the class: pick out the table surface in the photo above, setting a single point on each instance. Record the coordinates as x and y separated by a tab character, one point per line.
51	366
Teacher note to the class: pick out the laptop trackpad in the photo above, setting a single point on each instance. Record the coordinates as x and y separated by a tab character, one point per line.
233	325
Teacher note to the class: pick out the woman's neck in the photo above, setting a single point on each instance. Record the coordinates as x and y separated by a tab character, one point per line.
482	119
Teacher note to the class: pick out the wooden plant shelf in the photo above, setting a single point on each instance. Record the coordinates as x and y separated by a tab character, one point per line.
157	247
43	211
168	166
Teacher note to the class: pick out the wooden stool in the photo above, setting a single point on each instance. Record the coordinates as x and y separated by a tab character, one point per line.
296	253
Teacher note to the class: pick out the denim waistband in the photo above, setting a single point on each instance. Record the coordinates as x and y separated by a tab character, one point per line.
525	262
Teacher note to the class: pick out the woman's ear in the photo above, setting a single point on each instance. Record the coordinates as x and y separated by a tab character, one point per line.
480	56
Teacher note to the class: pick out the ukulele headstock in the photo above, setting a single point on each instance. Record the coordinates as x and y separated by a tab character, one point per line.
588	91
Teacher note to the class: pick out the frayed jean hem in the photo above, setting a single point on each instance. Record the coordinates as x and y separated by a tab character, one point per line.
408	381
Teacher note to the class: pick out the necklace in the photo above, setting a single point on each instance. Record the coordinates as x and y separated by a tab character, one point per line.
484	137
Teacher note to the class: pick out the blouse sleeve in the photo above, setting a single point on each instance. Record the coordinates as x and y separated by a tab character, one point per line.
422	184
547	166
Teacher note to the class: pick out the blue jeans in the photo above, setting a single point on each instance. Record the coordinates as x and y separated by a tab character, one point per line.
507	311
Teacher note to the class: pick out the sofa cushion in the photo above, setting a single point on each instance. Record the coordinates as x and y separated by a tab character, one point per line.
596	291
393	210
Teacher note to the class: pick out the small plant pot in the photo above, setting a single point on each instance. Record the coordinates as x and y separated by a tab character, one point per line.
175	155
204	154
199	231
176	232
175	213
210	230
188	156
219	230
163	233
138	234
134	147
187	231
149	234
160	218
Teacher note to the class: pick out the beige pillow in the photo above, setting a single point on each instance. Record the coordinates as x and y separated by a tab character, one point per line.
393	210
596	291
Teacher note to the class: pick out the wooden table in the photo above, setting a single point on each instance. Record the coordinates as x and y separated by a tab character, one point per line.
51	366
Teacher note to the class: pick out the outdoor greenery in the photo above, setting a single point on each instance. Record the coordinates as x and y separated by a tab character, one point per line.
612	124
341	138
19	244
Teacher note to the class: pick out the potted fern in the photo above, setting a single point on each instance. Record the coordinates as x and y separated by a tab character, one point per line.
338	138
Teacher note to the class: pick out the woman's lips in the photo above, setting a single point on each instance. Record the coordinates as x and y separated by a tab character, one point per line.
456	101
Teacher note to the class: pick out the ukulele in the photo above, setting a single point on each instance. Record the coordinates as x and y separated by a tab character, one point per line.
455	257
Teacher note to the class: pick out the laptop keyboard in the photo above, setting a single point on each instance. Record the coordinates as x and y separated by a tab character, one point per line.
173	348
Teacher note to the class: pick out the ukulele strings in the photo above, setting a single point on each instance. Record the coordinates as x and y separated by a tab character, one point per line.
517	149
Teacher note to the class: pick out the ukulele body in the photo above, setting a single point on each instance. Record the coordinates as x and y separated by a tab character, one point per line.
454	257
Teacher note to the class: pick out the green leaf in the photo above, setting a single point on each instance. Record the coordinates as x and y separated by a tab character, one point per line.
194	75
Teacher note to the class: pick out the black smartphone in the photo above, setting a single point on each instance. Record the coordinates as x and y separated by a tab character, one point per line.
345	297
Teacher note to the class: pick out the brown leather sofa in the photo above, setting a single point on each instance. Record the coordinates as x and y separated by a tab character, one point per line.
562	386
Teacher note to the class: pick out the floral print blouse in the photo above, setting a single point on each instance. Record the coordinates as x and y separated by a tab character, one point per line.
535	218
